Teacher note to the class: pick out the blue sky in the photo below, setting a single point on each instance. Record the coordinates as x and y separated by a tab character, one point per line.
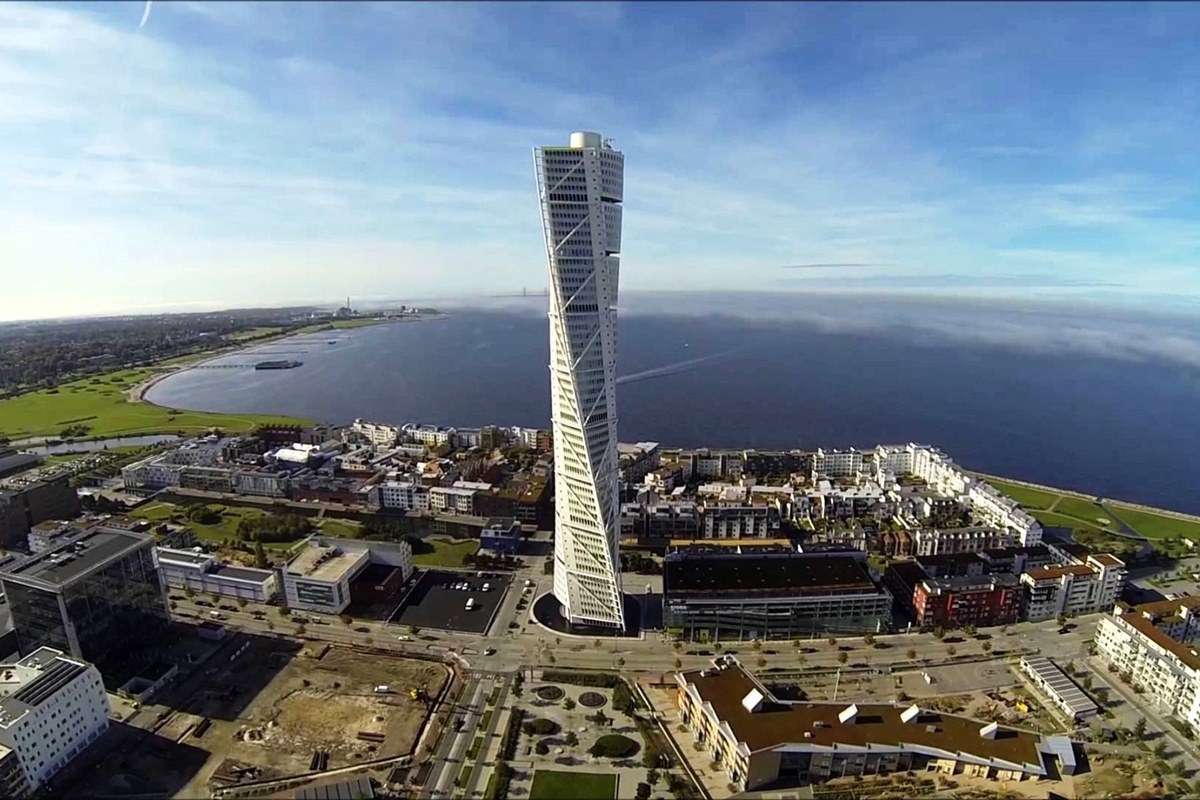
229	155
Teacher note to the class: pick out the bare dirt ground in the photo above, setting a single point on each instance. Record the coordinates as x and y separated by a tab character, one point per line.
272	707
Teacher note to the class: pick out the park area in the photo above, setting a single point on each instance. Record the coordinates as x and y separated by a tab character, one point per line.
222	522
1069	510
99	406
436	551
551	784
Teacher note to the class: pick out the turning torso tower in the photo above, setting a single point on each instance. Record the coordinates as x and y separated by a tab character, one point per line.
580	189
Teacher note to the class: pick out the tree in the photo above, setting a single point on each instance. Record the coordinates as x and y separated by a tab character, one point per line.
843	657
939	632
951	651
987	647
969	629
911	654
572	739
678	663
643	791
1139	728
833	641
260	555
568	704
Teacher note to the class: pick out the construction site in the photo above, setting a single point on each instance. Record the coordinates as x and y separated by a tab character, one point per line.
269	710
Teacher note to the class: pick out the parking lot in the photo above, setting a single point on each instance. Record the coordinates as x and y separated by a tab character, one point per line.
439	600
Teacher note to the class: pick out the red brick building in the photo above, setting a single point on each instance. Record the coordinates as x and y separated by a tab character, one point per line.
967	600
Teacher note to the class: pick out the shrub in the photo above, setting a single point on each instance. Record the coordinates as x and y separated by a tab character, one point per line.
541	748
614	745
508	742
601	679
541	727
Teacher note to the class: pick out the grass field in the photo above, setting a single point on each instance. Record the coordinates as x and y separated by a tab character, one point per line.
343	324
252	333
1155	526
558	785
345	528
1028	497
216	532
1068	511
97	406
446	553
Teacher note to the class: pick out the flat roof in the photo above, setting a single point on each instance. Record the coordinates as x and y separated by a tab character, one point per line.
1046	573
182	556
71	558
243	573
323	562
1061	685
806	573
777	723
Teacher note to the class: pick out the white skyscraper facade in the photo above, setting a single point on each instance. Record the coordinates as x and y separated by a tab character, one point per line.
580	189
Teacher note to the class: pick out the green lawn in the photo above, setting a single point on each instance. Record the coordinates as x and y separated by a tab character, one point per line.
446	553
343	528
252	333
559	785
1084	509
99	404
216	532
1026	496
1069	511
1155	526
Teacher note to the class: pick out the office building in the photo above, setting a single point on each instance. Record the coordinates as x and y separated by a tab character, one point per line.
203	572
97	596
722	593
52	706
757	739
318	577
25	503
501	535
580	190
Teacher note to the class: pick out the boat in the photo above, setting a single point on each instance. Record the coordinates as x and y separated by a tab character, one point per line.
283	364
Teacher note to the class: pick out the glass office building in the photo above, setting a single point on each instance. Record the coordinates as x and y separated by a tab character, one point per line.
97	596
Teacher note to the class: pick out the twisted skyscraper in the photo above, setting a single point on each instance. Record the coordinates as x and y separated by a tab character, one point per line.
580	188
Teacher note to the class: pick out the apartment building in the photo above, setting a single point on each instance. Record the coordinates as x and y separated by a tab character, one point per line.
402	496
428	435
1154	647
452	500
52	706
378	434
740	522
25	503
1071	589
758	739
973	539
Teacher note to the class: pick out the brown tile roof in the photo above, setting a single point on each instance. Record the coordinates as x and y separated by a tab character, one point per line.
1046	573
1145	626
1107	560
780	723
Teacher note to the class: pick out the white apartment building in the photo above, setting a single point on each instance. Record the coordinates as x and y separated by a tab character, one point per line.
976	539
1073	588
318	577
52	706
580	189
404	496
838	463
1154	646
151	473
452	500
377	433
428	435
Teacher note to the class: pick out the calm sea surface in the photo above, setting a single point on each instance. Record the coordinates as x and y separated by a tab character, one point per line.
1068	414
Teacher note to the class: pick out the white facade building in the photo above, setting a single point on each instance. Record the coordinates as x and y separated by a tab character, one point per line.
318	577
52	706
452	499
580	189
1154	646
377	433
428	435
203	572
404	496
1073	589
